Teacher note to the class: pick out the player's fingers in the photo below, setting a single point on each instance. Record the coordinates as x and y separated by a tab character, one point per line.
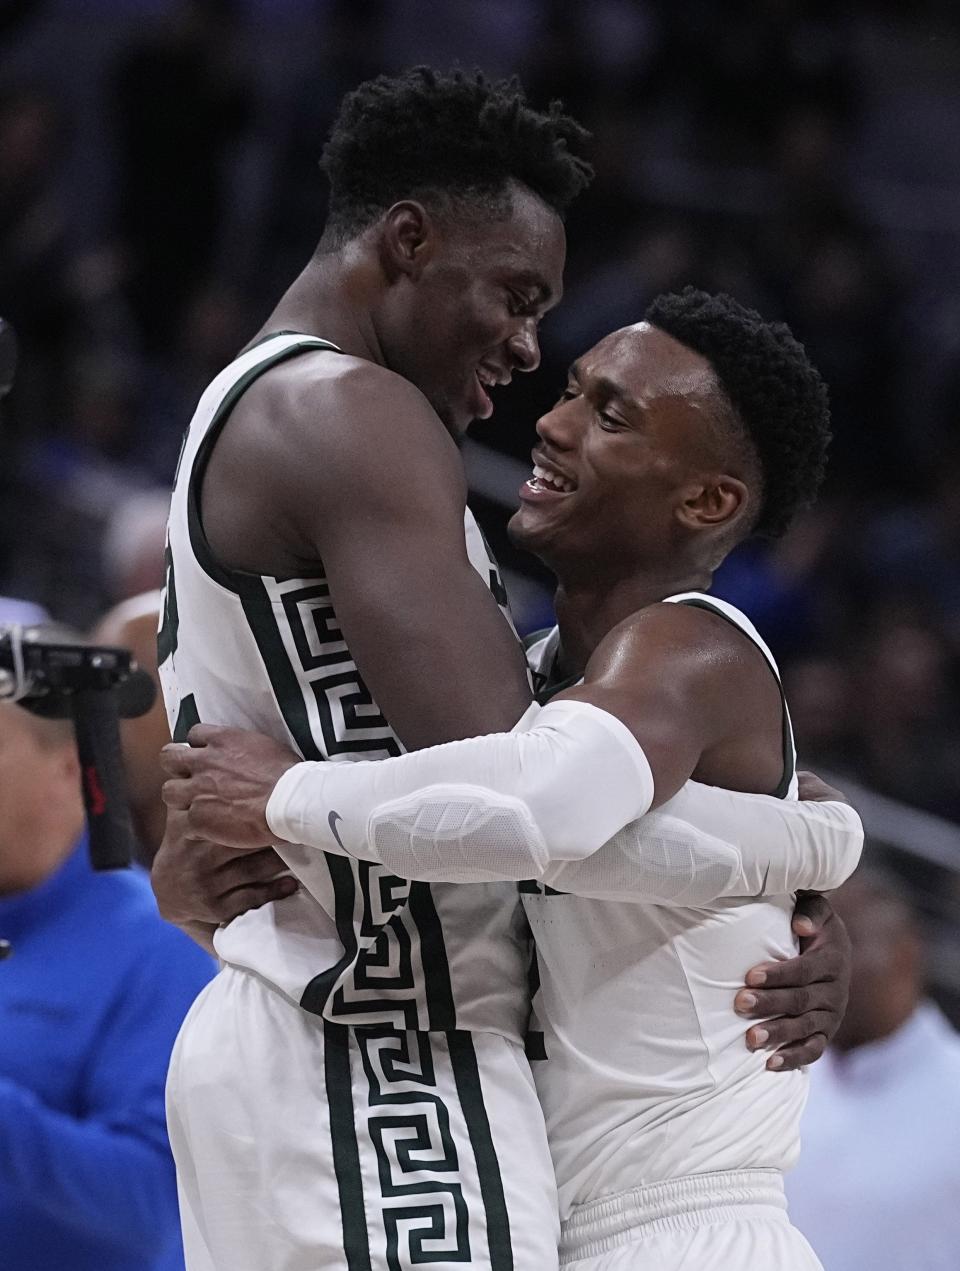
811	914
212	818
821	963
785	1030
241	869
798	1055
176	759
245	898
177	793
766	1003
200	734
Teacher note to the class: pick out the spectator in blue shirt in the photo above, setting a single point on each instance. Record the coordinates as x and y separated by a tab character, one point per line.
92	995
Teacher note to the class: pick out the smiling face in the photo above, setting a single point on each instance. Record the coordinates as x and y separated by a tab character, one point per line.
631	466
470	320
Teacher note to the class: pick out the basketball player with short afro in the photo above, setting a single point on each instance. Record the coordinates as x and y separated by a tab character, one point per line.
778	400
350	1092
446	138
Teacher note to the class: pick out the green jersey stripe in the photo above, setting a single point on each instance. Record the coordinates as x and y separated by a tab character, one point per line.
346	1150
466	1074
258	611
441	1010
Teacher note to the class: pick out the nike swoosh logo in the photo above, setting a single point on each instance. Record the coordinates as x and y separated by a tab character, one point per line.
332	820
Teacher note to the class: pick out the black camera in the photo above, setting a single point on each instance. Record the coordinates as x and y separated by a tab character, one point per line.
53	673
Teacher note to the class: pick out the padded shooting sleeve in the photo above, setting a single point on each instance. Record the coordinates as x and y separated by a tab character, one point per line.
504	806
708	844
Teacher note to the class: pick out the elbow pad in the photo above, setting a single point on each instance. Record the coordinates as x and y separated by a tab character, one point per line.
709	844
782	845
500	807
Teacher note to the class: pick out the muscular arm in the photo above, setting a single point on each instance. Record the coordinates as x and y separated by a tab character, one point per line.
553	791
346	464
661	696
344	469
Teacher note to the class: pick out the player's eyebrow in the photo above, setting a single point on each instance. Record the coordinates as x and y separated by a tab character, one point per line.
606	388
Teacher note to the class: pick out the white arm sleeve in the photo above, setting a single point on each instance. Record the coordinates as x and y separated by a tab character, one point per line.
502	806
707	844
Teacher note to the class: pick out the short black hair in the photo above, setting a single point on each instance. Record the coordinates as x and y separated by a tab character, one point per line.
430	135
777	394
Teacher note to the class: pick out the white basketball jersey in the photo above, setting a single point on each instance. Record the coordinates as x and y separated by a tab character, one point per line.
643	1070
356	944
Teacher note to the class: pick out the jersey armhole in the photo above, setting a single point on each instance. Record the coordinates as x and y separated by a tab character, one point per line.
789	751
202	550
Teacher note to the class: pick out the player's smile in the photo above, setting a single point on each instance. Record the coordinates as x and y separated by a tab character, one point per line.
479	404
484	378
548	483
616	452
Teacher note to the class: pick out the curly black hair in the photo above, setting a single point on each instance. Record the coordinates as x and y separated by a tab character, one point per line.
777	394
438	136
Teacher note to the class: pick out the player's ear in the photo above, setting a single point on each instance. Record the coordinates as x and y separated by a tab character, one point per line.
712	503
408	240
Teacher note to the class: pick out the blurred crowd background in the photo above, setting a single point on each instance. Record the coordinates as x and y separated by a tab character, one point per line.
159	188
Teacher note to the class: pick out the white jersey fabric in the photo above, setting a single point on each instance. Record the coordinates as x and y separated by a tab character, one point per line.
357	945
705	1222
351	1090
269	1108
331	1098
642	1068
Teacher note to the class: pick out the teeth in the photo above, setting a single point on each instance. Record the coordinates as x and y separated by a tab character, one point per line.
552	479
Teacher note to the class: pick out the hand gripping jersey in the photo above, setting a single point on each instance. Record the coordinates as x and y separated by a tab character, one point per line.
643	1074
363	947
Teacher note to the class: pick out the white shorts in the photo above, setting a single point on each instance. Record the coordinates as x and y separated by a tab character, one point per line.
307	1146
732	1221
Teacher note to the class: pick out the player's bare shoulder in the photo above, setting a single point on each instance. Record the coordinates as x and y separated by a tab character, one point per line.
693	683
336	407
312	438
687	657
677	640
